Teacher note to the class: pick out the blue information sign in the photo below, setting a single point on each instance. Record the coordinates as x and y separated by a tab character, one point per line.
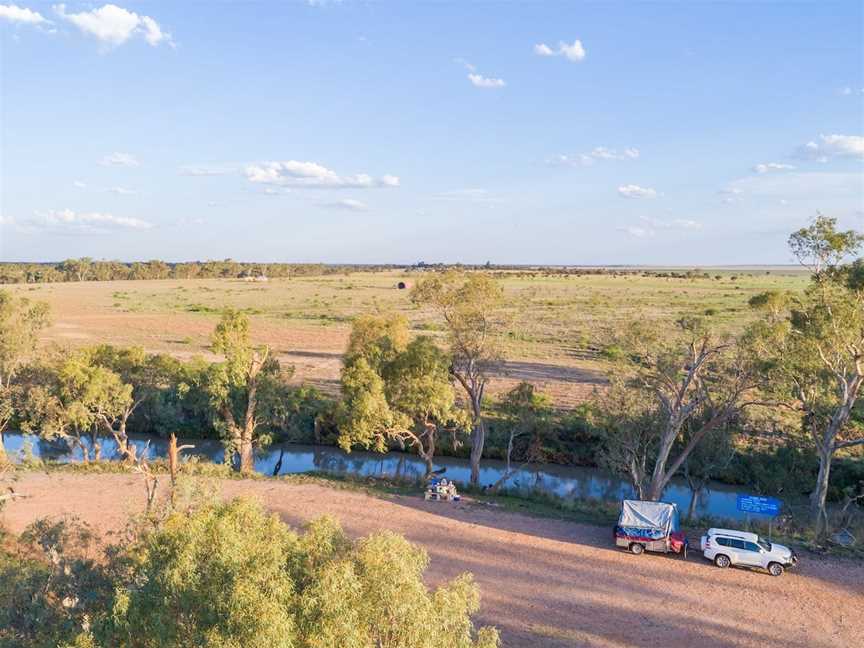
759	505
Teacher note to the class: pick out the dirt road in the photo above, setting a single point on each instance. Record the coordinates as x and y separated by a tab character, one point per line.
545	583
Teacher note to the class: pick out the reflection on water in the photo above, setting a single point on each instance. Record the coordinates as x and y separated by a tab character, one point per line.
567	482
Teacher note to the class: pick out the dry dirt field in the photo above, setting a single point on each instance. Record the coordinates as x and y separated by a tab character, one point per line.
545	583
306	320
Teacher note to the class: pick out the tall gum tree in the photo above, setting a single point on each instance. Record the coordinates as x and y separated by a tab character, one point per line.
236	384
816	345
696	381
470	305
148	374
395	391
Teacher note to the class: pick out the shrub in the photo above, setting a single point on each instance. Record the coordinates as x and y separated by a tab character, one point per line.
612	352
230	575
49	586
215	578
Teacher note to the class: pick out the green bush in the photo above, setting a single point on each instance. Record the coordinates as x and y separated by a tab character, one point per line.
49	585
231	576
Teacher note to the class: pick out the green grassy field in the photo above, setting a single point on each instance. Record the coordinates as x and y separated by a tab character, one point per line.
555	318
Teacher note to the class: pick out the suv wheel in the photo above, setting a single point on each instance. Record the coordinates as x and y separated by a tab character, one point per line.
636	548
722	561
775	569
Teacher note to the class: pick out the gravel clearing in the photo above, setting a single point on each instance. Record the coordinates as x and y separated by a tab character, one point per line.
544	583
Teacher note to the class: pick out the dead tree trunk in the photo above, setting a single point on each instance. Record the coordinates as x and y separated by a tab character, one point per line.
508	470
174	463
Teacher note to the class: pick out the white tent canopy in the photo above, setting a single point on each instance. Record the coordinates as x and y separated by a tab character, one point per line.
649	515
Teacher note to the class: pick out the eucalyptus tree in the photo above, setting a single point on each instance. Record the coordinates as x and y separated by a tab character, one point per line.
68	397
527	413
395	391
692	378
77	269
471	307
236	385
21	322
148	375
816	346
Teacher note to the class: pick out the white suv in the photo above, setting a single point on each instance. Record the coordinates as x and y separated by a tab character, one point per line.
726	547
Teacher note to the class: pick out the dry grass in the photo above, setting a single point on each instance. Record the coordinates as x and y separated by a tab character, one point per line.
307	320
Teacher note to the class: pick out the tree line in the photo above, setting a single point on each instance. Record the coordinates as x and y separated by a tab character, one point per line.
87	269
681	399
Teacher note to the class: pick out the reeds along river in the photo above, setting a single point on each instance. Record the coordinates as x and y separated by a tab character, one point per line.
566	482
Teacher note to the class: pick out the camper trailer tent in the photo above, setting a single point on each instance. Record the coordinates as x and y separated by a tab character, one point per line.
651	526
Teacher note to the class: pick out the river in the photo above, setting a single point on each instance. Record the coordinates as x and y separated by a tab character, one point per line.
566	482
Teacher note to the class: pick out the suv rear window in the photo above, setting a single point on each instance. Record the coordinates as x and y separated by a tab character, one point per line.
737	544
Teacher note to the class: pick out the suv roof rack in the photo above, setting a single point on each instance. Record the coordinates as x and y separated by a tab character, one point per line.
741	535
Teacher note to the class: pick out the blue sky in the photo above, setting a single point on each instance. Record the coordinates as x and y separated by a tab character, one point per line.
514	132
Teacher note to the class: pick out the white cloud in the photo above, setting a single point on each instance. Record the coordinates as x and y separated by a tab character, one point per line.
468	66
677	223
772	166
119	160
276	191
730	194
79	184
114	25
575	52
6	220
16	14
67	220
153	34
817	186
686	223
195	220
636	192
122	191
638	232
588	159
603	153
477	79
485	82
833	146
312	175
204	171
349	204
477	196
